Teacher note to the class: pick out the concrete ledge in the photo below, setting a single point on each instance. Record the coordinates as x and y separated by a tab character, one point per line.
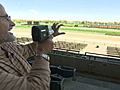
89	66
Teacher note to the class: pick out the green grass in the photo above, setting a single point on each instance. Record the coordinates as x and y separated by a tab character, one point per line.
77	29
25	26
108	31
29	26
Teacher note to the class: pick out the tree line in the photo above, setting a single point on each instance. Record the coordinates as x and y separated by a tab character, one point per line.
70	22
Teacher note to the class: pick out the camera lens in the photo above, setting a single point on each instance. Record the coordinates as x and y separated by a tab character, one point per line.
51	31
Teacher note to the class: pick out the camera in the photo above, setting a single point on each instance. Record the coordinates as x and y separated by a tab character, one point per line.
41	33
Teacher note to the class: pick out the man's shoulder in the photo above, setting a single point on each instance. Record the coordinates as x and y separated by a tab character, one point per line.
8	43
9	46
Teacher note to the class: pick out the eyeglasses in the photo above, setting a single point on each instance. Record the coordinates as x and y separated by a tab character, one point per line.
8	18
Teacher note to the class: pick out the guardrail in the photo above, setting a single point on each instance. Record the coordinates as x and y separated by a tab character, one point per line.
109	58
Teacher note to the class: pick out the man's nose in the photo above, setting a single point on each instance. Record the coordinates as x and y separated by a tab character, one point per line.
12	23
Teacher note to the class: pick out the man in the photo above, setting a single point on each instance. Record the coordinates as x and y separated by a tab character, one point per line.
15	71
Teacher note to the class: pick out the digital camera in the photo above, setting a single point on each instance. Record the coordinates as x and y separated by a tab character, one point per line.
41	33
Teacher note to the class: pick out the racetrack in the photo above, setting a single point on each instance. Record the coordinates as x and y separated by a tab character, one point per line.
88	38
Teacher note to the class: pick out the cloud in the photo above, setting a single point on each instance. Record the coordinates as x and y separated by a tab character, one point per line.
34	11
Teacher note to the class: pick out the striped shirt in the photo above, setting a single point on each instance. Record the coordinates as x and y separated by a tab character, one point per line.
16	73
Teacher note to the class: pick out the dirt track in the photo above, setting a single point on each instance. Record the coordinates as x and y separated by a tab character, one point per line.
91	39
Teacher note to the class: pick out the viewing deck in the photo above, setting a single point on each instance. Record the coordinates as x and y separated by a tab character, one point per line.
85	82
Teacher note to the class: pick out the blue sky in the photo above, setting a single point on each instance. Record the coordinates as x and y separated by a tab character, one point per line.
81	10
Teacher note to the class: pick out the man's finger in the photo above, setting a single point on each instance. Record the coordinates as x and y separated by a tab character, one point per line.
59	26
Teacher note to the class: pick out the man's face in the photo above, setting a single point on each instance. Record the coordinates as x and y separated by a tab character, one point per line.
5	23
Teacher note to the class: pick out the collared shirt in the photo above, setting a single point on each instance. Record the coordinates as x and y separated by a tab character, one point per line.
16	73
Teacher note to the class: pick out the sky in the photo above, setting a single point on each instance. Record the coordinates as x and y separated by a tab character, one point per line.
77	10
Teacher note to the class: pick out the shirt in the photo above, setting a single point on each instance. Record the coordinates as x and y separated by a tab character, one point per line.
17	74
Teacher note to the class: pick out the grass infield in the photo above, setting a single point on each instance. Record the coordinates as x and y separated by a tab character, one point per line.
82	29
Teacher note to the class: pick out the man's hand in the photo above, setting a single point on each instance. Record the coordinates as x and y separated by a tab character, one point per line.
44	47
56	27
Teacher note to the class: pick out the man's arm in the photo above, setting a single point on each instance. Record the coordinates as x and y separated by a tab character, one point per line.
27	50
39	76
